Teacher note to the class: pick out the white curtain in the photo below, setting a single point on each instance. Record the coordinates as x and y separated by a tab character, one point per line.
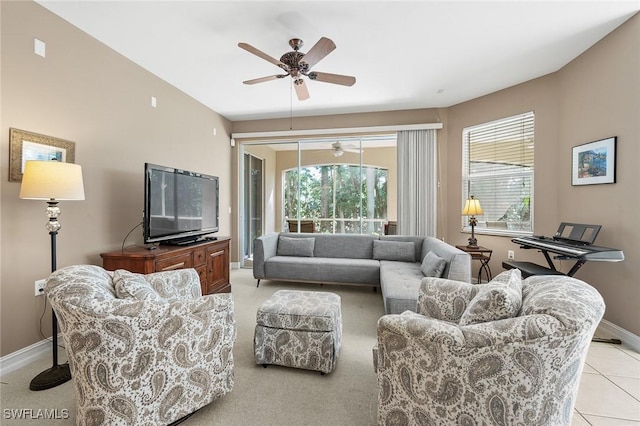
417	182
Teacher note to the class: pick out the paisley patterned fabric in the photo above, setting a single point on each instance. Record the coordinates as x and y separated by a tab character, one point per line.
143	362
495	300
523	370
300	329
129	285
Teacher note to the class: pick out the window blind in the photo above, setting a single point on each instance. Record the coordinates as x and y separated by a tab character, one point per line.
498	165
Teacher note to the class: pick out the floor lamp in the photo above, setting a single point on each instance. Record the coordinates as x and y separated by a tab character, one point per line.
52	181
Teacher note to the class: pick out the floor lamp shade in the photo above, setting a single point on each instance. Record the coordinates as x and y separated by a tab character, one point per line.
52	181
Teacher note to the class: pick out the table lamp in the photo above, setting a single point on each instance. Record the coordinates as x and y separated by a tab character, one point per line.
52	181
472	208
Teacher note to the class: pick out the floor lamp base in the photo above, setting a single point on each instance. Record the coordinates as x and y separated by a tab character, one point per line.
56	375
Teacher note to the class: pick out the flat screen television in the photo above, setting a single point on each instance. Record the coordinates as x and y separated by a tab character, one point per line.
180	206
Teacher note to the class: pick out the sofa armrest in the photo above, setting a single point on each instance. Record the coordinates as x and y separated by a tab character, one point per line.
512	331
458	262
444	299
264	247
420	330
459	267
415	330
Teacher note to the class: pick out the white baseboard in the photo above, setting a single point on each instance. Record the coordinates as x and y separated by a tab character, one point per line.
609	330
235	265
24	356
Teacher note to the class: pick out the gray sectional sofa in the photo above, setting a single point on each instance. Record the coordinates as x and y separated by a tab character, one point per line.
392	262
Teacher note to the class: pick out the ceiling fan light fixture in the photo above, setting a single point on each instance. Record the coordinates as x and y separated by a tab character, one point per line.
338	153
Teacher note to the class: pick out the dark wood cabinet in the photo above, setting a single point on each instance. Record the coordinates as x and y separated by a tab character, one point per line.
209	258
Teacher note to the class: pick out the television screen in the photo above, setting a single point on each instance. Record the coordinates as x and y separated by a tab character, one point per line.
180	205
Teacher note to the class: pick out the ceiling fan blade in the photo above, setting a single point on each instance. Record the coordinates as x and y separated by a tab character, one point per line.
262	55
301	89
322	48
352	150
344	80
263	79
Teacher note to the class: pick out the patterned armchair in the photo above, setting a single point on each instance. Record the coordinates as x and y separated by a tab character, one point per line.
143	349
519	370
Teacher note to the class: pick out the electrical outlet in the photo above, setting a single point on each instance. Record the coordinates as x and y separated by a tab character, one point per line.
511	255
40	287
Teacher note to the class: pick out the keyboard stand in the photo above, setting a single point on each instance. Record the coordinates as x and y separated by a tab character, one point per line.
603	340
529	269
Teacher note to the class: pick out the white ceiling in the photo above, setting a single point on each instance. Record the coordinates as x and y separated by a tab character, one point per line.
404	54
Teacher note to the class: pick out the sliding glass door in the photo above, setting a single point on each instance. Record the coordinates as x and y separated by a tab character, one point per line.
328	185
341	186
253	204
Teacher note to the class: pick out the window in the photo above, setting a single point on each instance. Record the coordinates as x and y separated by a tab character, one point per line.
498	170
339	198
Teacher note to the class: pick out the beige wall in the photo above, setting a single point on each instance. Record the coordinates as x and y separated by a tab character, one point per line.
539	96
599	97
594	97
386	118
89	94
84	92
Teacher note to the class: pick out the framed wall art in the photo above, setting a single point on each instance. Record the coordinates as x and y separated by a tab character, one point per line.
24	145
594	162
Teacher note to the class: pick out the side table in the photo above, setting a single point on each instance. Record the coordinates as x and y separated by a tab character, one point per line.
482	254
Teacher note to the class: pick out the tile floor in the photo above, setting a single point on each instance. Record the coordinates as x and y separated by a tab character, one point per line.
609	392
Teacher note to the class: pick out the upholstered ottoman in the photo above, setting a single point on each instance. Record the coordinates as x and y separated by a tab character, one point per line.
300	329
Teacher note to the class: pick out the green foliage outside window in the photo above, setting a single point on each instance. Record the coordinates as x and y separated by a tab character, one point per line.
337	196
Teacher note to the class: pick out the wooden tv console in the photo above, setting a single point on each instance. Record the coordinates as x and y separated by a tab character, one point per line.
209	258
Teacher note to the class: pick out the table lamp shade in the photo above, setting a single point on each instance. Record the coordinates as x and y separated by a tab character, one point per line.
51	180
472	207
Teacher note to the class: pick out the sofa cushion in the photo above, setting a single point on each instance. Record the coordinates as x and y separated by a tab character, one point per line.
418	242
301	247
323	269
129	285
433	265
500	298
347	246
394	250
458	262
400	282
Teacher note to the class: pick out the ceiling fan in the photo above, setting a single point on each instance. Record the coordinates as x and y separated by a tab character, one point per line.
338	149
297	64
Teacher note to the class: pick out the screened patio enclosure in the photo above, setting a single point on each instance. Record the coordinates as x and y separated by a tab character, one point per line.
341	185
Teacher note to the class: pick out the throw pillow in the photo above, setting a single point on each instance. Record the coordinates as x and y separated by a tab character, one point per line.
129	285
290	246
433	265
394	250
503	277
495	300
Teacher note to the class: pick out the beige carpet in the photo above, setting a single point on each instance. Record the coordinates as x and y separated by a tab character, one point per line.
261	396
